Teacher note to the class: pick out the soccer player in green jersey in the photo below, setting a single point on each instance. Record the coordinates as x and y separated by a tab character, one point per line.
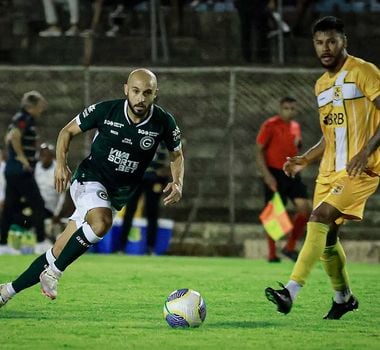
128	132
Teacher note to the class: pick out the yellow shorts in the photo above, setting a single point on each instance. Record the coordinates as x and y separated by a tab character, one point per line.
348	195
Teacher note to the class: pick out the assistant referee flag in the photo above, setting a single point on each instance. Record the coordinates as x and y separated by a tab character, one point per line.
275	218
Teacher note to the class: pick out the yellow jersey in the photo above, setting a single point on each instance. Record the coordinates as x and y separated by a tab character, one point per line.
347	113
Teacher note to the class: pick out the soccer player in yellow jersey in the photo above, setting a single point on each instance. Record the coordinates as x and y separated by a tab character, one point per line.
348	96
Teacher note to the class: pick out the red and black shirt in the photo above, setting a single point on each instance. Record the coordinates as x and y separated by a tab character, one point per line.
25	123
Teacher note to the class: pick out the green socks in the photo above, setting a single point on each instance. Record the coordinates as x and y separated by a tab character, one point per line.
31	275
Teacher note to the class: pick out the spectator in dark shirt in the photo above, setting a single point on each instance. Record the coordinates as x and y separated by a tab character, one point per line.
255	14
21	143
155	179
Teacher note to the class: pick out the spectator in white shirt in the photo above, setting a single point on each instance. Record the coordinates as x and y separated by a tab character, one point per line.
44	175
54	201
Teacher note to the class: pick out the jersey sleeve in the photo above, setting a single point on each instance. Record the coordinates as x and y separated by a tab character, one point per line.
295	128
172	136
264	134
368	80
19	123
92	116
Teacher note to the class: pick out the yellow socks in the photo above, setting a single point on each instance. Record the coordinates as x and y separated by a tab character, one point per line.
334	262
311	251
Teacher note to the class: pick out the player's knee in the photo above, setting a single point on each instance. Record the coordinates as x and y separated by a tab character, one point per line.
325	214
321	216
101	225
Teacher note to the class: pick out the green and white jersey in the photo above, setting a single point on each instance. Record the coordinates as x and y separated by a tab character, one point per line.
122	150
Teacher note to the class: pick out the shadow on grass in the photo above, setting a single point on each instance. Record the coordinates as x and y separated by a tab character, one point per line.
243	324
20	315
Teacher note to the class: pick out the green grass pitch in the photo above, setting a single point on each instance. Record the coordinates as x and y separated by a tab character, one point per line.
115	302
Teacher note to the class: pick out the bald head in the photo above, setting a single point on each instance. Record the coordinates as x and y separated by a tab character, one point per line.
143	75
141	91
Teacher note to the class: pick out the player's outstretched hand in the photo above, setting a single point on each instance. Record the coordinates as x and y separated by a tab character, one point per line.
357	164
174	193
62	176
293	165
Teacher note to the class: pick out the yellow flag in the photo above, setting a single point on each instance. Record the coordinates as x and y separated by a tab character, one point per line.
275	218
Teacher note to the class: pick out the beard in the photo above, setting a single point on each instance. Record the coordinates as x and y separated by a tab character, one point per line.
335	63
330	66
137	113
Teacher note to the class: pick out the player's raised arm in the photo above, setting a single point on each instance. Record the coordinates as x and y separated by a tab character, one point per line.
177	170
62	172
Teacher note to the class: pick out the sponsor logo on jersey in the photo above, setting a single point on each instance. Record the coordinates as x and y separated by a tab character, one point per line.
112	123
102	195
127	140
114	132
338	189
88	110
176	134
148	133
122	160
146	142
334	119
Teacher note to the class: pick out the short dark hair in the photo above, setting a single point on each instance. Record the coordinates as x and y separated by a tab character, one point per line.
287	99
328	23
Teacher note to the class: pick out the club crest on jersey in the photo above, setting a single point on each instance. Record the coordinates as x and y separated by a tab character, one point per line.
102	195
338	189
146	142
337	93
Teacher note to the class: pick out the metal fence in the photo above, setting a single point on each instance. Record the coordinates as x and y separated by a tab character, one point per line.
219	111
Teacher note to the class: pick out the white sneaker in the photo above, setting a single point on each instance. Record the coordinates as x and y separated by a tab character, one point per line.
72	31
51	31
113	31
4	295
42	247
49	283
8	250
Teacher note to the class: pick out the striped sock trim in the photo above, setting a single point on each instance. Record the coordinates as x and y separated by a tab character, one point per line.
90	234
50	256
10	290
56	270
293	287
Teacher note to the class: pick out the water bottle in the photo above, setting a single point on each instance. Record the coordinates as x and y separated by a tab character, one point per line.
15	235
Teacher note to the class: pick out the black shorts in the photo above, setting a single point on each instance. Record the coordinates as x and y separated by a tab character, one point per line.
288	187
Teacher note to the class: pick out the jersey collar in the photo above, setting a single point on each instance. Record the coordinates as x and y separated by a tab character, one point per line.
144	121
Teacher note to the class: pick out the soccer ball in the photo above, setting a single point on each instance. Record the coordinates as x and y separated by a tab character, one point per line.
184	308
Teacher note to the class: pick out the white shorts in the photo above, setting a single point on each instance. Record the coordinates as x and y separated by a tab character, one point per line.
86	196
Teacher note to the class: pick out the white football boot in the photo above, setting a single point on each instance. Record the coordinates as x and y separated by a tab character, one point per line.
4	294
49	282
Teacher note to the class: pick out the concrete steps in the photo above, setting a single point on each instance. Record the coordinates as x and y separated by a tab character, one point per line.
362	244
206	38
